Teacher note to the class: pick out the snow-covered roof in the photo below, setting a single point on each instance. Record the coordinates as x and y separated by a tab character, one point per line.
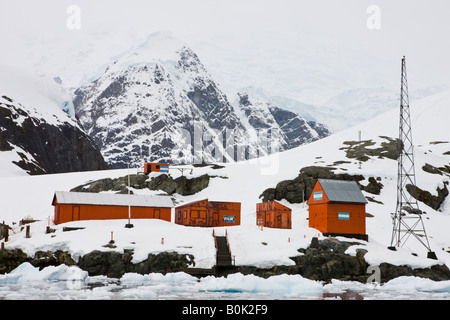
342	191
105	199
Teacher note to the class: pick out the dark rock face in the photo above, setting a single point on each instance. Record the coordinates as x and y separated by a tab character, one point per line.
54	149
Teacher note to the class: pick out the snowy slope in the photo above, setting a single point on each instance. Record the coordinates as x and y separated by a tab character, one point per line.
246	181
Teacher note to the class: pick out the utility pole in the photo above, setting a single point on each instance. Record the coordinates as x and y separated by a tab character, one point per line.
407	219
129	224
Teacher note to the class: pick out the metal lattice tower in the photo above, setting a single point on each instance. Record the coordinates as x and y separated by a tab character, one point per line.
407	219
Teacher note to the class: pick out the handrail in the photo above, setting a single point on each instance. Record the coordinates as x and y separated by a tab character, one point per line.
228	242
215	241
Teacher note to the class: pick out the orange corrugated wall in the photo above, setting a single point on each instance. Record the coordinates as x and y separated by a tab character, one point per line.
201	214
229	209
69	212
356	223
272	215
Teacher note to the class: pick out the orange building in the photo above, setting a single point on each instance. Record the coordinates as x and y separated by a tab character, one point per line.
338	208
74	206
206	213
156	167
273	215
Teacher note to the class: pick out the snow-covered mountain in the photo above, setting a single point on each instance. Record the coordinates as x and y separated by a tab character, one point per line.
290	129
157	102
38	130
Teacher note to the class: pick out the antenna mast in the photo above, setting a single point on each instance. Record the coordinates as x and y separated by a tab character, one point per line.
407	219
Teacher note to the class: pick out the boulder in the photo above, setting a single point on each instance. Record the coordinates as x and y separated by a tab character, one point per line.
11	259
181	185
115	264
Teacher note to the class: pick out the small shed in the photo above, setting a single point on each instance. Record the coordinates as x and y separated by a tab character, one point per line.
205	213
156	167
338	208
273	215
74	206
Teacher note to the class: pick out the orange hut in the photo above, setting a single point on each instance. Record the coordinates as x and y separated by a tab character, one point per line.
156	167
205	213
74	206
273	215
338	208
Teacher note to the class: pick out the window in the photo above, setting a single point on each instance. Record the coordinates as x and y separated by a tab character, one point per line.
179	215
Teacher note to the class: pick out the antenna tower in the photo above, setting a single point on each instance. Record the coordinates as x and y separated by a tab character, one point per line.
407	219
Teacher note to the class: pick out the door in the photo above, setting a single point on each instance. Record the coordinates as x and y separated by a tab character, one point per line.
75	213
215	215
284	220
156	214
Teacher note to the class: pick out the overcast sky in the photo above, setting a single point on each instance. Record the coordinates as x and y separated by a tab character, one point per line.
419	29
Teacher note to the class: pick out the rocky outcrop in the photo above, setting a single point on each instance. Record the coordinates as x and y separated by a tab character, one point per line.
115	264
11	259
181	185
323	260
426	197
300	188
327	260
119	185
361	150
109	263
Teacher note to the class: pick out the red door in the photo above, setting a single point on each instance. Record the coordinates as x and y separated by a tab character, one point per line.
75	213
